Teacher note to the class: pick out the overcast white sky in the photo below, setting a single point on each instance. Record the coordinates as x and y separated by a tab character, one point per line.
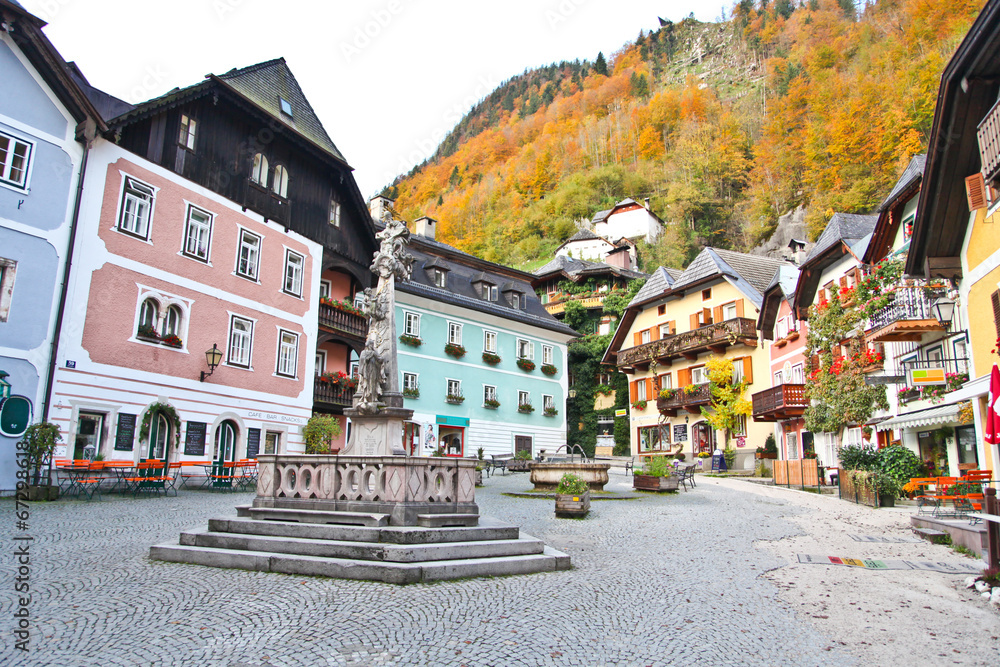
388	78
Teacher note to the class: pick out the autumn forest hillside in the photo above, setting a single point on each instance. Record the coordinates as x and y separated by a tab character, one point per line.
724	126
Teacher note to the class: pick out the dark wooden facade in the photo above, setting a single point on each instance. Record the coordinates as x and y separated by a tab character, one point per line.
230	131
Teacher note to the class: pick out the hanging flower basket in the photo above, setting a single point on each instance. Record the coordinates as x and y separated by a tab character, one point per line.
526	365
407	339
549	369
491	359
491	404
456	351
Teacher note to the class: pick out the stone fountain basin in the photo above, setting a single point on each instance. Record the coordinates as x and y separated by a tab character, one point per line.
546	476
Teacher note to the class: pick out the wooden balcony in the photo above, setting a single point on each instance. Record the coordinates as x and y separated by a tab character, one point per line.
329	397
989	143
690	399
348	325
587	302
782	402
907	318
689	344
267	203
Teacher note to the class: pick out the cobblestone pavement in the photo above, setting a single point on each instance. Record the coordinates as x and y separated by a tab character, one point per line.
658	580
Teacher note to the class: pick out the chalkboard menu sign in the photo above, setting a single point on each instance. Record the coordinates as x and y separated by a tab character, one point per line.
253	442
718	463
126	432
680	432
194	445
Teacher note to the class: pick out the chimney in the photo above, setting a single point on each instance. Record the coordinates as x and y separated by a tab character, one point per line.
378	206
798	249
647	203
424	226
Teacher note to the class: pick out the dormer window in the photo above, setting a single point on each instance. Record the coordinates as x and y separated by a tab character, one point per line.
486	290
286	106
440	277
515	300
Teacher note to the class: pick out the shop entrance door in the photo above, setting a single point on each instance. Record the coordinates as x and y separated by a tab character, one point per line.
88	436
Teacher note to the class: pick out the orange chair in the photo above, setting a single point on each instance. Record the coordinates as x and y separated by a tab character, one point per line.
926	498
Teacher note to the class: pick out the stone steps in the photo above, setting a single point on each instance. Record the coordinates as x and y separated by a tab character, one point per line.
392	553
313	516
447	520
488	529
347	568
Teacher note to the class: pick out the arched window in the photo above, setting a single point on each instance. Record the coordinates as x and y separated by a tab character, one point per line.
259	172
149	318
159	439
280	183
172	321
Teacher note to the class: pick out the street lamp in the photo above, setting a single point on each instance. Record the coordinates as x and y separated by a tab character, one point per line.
212	357
944	309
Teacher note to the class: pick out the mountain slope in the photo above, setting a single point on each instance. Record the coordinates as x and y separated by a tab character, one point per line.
724	126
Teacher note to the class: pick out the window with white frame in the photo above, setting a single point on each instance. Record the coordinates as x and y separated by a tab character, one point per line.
738	370
664	331
548	402
324	289
741	425
258	173
137	208
411	326
490	341
410	381
354	370
240	341
454	333
640	391
489	393
320	362
15	156
525	349
489	292
961	354
8	270
440	278
782	326
515	300
188	128
279	184
248	259
798	376
729	311
779	378
294	263
646	335
547	354
666	380
149	317
523	398
197	233
454	388
699	375
172	321
288	353
334	212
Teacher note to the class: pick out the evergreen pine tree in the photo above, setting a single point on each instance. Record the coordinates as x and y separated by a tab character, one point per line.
600	66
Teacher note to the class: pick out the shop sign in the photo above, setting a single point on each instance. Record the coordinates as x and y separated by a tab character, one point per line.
925	377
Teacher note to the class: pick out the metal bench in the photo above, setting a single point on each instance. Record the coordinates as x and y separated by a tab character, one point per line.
499	462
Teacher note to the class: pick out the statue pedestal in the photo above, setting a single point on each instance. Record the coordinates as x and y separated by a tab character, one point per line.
380	434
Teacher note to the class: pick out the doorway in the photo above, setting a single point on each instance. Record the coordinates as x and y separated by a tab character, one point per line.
159	437
703	438
225	443
452	440
89	436
523	443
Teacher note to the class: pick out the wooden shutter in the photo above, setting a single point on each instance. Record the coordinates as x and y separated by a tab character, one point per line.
633	391
975	190
843	282
650	396
637	339
739	308
694	321
717	314
748	370
654	333
706	315
673	326
995	297
683	377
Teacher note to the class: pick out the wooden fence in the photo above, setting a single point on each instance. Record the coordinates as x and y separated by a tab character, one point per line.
799	473
857	492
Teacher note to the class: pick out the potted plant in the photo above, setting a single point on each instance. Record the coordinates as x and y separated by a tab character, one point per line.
866	432
572	497
411	392
639	405
656	475
173	340
38	444
454	350
729	454
525	408
520	462
491	403
769	450
526	365
455	398
147	332
549	369
667	393
886	487
491	358
407	339
550	412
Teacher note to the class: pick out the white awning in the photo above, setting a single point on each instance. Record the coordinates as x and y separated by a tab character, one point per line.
941	414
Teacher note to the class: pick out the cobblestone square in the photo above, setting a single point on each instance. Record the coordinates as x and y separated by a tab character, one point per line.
658	580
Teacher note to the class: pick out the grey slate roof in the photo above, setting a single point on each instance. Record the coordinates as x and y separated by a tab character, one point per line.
460	292
751	273
601	216
577	269
913	171
107	105
658	284
786	278
582	235
265	82
847	227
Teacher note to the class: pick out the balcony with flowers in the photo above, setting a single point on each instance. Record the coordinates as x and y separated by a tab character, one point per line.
689	398
343	318
334	389
784	401
715	337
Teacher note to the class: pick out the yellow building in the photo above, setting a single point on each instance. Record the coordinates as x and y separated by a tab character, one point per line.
956	233
668	332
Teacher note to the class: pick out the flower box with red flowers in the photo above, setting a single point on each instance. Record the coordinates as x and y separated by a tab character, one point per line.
454	350
526	365
491	359
549	369
172	340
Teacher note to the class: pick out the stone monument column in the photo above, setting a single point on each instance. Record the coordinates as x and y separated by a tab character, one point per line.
378	414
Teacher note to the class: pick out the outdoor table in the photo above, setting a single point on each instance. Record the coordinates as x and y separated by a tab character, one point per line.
76	475
121	470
